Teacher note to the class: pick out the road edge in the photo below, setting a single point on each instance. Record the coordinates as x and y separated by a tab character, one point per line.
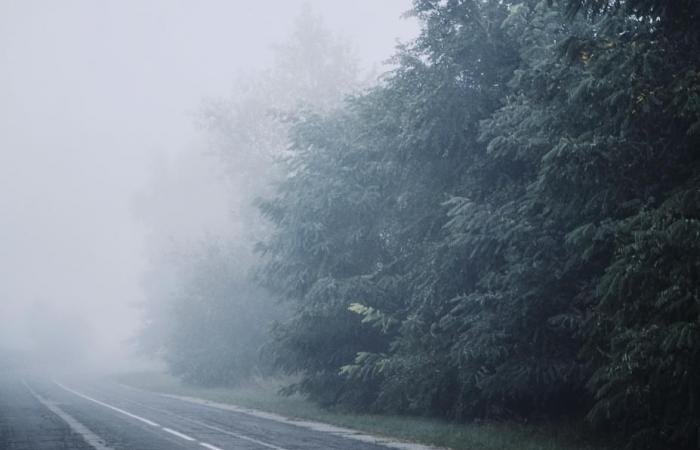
308	424
90	437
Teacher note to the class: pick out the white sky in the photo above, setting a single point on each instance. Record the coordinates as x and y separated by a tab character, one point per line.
92	92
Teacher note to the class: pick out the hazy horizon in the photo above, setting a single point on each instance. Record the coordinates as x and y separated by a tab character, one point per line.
98	103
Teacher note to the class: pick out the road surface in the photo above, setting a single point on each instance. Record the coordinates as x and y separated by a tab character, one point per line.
46	414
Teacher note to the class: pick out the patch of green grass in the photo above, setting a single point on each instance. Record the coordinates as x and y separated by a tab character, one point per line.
262	394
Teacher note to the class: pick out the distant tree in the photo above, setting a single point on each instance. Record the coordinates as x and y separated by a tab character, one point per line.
206	317
213	324
312	71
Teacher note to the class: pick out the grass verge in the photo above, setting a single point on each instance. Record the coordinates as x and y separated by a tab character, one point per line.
262	395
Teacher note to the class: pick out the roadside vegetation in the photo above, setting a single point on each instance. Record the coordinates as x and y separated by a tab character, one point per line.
504	230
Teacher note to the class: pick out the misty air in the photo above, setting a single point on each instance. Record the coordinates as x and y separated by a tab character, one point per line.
351	225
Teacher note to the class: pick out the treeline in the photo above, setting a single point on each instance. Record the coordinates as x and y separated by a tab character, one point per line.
204	315
508	226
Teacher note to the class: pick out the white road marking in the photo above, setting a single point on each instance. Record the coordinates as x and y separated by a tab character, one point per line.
90	438
114	408
347	433
237	435
209	446
211	427
178	434
149	422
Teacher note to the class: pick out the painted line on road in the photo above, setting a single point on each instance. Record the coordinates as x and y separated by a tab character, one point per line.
146	421
119	410
342	432
206	425
209	446
88	436
178	434
236	435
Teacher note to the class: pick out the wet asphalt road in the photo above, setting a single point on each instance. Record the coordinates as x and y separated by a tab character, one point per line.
41	414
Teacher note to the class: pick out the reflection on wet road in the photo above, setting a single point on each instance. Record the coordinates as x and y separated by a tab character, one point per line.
47	414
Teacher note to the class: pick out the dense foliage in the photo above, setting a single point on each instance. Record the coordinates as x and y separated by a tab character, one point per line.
508	226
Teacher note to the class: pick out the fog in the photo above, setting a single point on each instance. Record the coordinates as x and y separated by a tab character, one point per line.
466	223
102	161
